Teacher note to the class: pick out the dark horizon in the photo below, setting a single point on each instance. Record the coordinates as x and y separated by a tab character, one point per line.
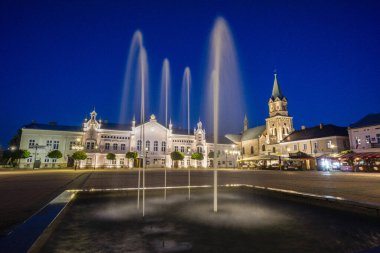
60	59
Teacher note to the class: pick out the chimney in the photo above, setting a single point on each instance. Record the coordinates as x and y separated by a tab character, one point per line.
320	126
303	127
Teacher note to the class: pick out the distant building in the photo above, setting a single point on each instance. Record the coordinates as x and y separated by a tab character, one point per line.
98	138
365	134
264	140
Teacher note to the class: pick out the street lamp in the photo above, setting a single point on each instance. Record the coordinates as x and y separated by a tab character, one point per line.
225	151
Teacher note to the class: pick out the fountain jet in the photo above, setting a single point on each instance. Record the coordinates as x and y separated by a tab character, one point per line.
224	85
129	76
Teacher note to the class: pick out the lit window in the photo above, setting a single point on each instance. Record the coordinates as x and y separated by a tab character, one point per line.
32	143
163	146
147	145
55	145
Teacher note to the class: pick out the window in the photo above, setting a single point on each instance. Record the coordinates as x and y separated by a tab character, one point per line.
199	149
378	138
176	148
121	161
304	147
251	149
368	139
243	151
88	145
188	162
163	146
147	145
329	144
114	146
89	161
315	146
274	149
263	147
55	144
32	143
54	160
49	143
139	145
71	145
122	147
155	146
29	160
295	147
182	149
46	159
107	146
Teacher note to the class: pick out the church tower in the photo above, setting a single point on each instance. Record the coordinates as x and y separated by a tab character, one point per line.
279	124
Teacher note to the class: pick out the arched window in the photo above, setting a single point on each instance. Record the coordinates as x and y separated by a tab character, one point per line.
147	145
243	151
251	149
163	146
274	149
275	131
263	147
283	130
139	145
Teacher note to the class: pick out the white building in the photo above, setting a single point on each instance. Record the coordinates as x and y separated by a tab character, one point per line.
364	135
99	138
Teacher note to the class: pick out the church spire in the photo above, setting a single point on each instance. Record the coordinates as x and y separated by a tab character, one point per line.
276	91
245	123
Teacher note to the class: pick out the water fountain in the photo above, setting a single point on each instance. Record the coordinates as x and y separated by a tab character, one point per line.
165	83
223	87
129	76
186	81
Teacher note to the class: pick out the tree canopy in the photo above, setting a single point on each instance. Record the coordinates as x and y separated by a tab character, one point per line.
177	156
79	155
20	154
55	154
131	155
111	156
197	156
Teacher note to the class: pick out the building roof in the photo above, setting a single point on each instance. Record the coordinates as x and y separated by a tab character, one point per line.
368	120
181	131
116	126
221	139
276	91
53	127
249	134
316	132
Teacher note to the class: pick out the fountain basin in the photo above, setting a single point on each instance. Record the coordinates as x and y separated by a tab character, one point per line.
248	220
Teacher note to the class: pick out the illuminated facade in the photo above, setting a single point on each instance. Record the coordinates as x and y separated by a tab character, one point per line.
98	138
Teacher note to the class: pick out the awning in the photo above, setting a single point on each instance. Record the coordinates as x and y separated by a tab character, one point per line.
364	155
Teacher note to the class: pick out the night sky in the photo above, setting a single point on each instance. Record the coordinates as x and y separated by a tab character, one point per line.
59	59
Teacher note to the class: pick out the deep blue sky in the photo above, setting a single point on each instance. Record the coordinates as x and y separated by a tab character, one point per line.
60	58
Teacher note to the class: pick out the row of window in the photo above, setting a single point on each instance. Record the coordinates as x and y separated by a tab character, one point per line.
183	141
155	146
114	137
115	146
49	144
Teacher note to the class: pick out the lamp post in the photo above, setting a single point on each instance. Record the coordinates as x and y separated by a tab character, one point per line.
225	152
144	166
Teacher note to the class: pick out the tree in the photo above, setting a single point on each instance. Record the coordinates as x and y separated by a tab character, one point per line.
20	154
55	154
211	154
176	156
131	155
111	156
197	156
78	156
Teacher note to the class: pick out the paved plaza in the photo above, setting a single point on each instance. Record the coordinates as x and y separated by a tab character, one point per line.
25	192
